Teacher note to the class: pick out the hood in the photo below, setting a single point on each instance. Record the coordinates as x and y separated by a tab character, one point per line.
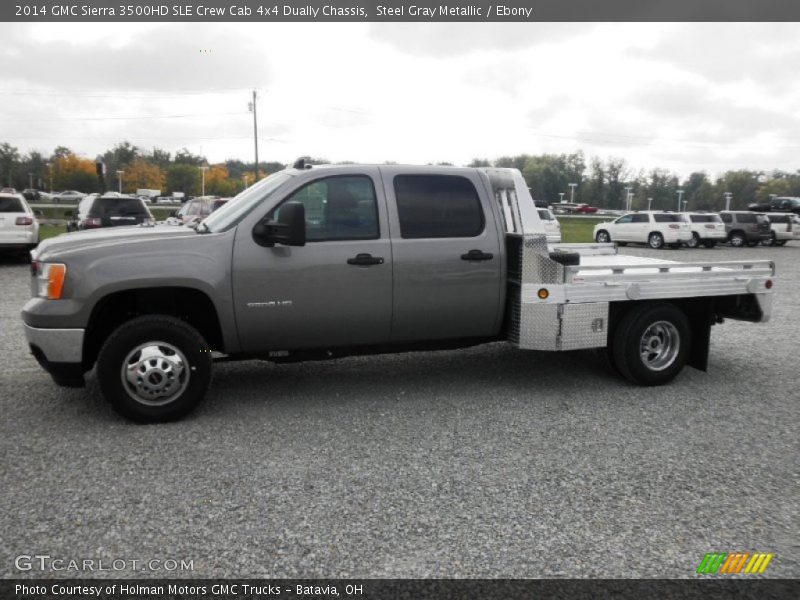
64	244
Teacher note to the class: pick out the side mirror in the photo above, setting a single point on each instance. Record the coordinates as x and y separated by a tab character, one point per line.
69	213
289	229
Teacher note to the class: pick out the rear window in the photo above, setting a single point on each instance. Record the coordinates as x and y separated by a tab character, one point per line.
545	215
11	205
669	218
746	217
705	219
437	206
118	207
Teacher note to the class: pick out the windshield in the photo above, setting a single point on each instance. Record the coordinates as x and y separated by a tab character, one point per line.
235	210
11	205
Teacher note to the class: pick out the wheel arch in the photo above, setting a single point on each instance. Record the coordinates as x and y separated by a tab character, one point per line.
191	305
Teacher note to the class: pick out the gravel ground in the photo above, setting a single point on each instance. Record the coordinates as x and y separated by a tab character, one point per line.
486	462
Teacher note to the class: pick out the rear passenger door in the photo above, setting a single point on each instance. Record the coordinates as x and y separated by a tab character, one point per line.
447	255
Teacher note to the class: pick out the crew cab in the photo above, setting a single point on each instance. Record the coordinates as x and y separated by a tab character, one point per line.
654	228
330	261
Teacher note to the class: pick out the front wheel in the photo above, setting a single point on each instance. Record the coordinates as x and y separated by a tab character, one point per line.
651	344
154	368
694	242
655	240
770	241
737	239
602	237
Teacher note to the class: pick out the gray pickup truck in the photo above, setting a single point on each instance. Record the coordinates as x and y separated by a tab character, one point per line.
330	261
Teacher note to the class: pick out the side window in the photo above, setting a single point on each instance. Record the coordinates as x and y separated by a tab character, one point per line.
640	218
624	220
437	206
338	208
746	217
726	218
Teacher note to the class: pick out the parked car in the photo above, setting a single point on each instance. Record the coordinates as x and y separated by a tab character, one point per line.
194	211
67	197
32	195
745	227
551	225
19	229
8	190
707	229
109	211
778	204
357	259
785	228
654	228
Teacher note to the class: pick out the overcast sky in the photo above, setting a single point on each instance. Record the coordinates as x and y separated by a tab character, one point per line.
681	96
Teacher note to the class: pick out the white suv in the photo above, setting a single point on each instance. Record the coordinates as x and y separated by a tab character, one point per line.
551	225
654	228
785	228
19	229
707	229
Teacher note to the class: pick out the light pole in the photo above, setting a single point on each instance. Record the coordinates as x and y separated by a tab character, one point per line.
203	170
627	197
649	202
561	197
30	180
685	202
253	109
120	173
50	172
680	196
572	187
728	197
245	182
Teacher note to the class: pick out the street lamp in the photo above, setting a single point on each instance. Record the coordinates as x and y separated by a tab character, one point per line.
561	197
627	197
572	187
649	202
50	172
728	197
680	196
685	202
204	169
30	180
120	173
245	182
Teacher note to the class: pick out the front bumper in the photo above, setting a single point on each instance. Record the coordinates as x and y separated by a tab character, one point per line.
59	352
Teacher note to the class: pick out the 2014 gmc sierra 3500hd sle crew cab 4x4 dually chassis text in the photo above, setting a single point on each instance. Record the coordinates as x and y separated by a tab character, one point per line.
331	261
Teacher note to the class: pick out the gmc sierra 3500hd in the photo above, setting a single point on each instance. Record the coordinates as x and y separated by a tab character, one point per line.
331	261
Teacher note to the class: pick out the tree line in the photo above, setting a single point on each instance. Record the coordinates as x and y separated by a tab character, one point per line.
599	182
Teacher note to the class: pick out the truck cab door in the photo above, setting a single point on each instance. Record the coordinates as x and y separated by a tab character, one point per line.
448	260
336	290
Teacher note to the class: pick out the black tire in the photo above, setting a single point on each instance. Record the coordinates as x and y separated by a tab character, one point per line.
780	242
694	242
710	244
655	240
628	340
771	241
168	331
602	237
737	239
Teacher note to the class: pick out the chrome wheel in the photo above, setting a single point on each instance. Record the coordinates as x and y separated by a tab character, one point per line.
155	373
655	241
694	242
602	237
659	345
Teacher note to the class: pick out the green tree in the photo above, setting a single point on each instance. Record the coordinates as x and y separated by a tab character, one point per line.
9	163
184	178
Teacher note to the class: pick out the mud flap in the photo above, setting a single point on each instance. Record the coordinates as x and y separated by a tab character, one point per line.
701	321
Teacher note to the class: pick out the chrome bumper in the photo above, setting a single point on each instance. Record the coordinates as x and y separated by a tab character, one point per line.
57	345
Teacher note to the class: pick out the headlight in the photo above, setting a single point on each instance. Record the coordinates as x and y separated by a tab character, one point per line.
50	280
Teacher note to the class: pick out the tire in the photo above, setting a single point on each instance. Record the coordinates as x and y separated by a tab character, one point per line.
780	242
664	331
737	239
710	244
655	240
694	242
769	242
602	237
170	383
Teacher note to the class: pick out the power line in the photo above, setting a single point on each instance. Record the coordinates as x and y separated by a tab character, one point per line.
78	94
185	116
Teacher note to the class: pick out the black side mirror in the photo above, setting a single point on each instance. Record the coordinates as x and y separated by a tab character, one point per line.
289	229
69	213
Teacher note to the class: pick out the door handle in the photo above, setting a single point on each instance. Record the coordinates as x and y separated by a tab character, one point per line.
365	259
477	255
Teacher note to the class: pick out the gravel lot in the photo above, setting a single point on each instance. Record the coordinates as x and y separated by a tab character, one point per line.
486	462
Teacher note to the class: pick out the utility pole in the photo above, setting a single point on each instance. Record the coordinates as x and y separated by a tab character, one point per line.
572	187
50	173
680	196
255	131
728	197
30	180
